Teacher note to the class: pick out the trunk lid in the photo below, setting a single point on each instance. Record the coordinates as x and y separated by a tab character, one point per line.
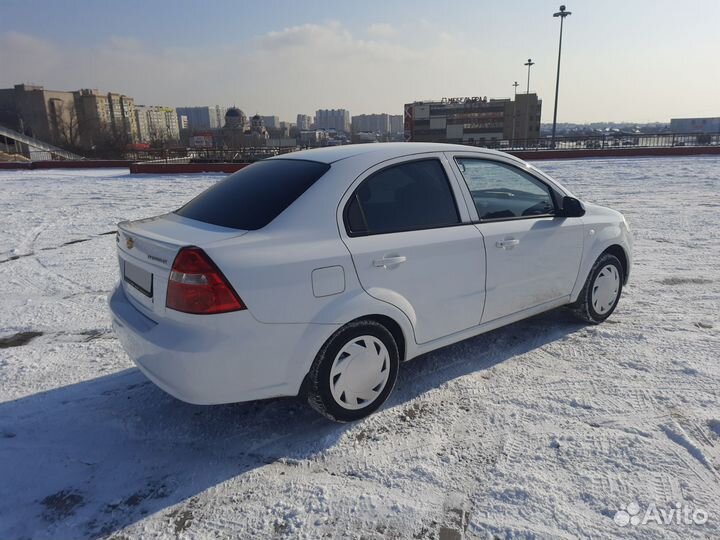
147	249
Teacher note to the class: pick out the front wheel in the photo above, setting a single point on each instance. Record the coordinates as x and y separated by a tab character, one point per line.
354	372
599	297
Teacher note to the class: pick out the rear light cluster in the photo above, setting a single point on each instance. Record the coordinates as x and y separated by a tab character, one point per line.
197	286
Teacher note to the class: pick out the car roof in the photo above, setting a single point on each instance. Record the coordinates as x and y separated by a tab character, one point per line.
381	151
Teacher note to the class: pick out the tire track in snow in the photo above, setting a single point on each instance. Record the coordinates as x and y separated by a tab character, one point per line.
706	491
26	246
42	282
32	251
689	435
520	347
667	489
315	508
55	285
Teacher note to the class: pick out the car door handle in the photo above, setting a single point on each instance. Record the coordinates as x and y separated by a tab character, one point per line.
507	243
386	262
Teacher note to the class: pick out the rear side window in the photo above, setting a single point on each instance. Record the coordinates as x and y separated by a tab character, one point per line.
405	197
252	197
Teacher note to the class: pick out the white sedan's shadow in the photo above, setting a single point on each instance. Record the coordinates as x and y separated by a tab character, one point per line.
86	460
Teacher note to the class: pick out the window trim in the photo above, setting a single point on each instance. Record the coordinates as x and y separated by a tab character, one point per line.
354	196
554	195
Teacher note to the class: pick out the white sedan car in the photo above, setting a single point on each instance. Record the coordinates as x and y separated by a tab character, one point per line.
320	272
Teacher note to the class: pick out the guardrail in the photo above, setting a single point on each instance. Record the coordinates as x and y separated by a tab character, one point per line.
602	142
209	155
608	142
576	146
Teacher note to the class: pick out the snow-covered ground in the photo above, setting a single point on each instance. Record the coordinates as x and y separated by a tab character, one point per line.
544	429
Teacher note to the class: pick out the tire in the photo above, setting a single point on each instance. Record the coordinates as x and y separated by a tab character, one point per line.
341	384
601	293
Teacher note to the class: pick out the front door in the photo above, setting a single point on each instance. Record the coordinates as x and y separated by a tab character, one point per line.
533	256
411	249
529	262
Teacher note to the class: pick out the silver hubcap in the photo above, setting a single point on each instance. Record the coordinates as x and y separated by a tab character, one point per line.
605	289
359	372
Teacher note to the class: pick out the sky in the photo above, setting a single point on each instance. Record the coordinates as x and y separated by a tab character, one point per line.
637	61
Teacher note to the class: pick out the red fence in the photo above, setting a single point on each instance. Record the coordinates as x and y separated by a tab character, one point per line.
66	164
178	168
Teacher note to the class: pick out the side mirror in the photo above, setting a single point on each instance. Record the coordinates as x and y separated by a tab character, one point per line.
571	207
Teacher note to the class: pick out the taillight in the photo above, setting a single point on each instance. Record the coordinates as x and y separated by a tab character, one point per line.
197	286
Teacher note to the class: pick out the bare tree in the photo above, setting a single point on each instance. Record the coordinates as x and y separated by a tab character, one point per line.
66	125
110	142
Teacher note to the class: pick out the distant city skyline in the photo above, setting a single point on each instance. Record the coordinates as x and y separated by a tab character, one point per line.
641	61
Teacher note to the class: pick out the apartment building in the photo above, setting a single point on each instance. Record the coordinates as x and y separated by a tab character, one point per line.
206	117
337	119
304	122
48	115
371	123
156	123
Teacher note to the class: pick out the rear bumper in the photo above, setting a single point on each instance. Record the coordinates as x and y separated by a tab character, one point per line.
213	359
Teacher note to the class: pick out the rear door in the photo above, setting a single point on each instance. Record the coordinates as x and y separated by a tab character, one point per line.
414	246
533	256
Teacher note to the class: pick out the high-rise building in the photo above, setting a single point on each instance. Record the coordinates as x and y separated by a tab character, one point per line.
141	118
271	122
473	120
220	113
196	117
211	117
396	123
283	130
48	115
372	123
122	116
304	122
157	123
105	117
525	113
94	113
170	123
337	119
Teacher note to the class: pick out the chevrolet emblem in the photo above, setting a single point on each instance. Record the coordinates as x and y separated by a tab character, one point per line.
129	242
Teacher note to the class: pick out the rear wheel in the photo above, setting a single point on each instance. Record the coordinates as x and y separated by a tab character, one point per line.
354	372
602	290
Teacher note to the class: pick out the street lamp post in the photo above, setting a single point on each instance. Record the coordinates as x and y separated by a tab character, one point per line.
514	119
529	64
562	14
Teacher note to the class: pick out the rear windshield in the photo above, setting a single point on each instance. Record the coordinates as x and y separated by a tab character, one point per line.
252	197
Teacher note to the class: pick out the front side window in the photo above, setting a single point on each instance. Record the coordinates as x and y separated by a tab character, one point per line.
502	191
405	197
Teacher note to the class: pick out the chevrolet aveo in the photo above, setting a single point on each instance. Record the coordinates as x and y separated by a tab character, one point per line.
319	272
